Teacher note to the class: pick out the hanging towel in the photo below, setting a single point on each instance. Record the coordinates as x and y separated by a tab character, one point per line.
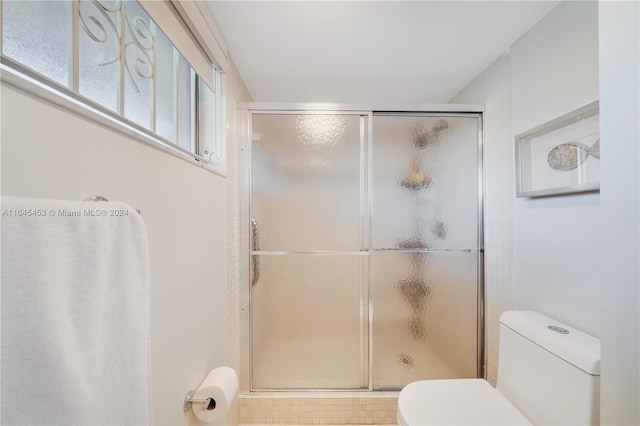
75	314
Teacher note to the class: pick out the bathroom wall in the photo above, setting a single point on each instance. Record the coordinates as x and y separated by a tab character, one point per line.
493	89
237	127
620	131
541	254
557	262
50	152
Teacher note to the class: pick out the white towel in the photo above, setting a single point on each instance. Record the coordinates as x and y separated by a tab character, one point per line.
75	314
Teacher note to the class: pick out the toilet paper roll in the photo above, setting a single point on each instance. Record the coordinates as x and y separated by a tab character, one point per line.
221	386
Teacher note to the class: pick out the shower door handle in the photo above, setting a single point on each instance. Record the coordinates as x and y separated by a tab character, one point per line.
255	246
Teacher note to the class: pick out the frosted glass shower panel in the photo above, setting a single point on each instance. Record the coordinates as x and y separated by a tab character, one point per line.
424	317
365	249
306	326
425	248
306	181
425	182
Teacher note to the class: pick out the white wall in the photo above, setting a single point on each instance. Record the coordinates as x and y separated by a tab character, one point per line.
620	133
543	253
557	262
493	89
577	257
48	152
237	129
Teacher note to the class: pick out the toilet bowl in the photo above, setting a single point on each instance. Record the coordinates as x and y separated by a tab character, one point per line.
548	373
456	402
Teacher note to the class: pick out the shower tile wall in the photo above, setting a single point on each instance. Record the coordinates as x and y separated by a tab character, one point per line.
286	410
236	92
493	88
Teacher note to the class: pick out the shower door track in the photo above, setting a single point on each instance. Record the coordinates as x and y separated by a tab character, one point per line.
316	252
431	110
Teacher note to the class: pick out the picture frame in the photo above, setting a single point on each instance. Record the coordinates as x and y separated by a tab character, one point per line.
561	156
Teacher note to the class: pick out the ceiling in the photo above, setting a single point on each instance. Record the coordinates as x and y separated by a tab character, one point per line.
382	52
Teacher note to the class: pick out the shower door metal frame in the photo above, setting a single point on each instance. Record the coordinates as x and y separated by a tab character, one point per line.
481	354
364	143
366	227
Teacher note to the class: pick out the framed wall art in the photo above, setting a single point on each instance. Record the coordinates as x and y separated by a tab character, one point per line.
561	156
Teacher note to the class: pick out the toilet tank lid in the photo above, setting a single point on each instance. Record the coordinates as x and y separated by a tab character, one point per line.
575	347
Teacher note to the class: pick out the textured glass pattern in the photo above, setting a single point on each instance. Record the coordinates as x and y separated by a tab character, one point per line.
306	328
99	53
38	34
210	147
123	62
185	104
425	182
425	213
306	181
139	65
165	87
424	317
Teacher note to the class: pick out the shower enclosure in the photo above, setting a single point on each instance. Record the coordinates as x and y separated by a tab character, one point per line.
366	248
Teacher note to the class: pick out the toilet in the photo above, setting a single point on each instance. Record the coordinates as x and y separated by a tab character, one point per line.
548	374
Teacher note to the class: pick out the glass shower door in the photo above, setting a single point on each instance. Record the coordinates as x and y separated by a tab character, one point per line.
425	248
307	311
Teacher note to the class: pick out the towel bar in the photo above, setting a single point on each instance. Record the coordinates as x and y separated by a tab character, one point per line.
95	198
101	198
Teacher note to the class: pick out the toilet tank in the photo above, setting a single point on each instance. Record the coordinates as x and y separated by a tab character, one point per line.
549	370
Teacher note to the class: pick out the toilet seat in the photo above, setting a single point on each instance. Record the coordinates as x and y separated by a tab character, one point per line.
455	402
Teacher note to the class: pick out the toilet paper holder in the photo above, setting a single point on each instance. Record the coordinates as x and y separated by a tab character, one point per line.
208	404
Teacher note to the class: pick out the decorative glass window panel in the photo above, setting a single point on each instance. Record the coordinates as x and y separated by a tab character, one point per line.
210	146
166	92
99	46
39	35
186	85
139	65
113	56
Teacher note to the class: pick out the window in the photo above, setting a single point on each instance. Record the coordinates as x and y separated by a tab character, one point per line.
112	55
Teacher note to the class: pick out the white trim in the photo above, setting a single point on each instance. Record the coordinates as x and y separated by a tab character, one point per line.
220	117
205	29
85	109
178	31
277	106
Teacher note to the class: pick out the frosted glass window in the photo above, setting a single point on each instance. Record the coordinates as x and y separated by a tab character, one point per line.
211	147
185	104
138	65
165	88
99	46
117	59
38	34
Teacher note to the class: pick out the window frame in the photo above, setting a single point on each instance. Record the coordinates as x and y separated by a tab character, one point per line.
26	79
